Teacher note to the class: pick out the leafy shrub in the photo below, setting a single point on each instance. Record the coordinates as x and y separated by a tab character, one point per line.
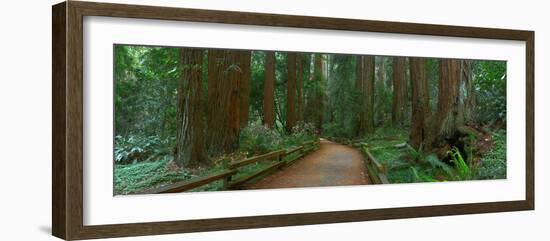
133	178
493	163
490	83
300	133
137	149
257	139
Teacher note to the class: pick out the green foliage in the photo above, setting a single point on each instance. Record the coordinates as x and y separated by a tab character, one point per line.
383	91
257	84
257	139
137	148
145	117
490	88
463	170
435	163
417	155
134	178
341	92
420	177
493	163
145	90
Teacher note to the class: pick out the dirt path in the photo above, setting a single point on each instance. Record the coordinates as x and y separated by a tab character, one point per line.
331	165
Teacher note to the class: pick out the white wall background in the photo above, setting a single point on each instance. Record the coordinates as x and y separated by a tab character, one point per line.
25	123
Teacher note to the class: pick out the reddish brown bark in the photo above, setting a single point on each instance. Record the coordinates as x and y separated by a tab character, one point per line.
190	127
448	98
245	86
468	95
269	90
365	76
418	118
399	78
223	101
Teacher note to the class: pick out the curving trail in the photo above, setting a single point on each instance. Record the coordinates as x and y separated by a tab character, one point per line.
331	165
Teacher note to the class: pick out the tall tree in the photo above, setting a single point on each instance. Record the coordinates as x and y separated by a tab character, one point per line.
223	100
189	127
448	98
399	78
365	78
269	90
419	119
468	94
245	58
291	92
299	88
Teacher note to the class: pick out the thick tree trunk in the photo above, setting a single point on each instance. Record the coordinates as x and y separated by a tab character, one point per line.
419	131
223	101
365	77
291	93
469	94
448	99
269	90
245	86
299	89
399	78
190	128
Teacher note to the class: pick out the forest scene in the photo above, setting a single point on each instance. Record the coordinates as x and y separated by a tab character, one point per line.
197	119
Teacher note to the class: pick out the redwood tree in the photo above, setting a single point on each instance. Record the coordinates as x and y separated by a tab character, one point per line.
468	94
190	127
365	76
224	79
244	64
399	78
419	118
448	112
269	90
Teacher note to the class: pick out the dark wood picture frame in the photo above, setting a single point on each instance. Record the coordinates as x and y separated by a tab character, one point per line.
67	123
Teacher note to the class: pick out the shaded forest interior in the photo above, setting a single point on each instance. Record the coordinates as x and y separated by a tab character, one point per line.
186	112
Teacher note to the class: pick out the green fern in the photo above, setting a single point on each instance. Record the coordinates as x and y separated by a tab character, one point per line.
438	164
419	177
462	169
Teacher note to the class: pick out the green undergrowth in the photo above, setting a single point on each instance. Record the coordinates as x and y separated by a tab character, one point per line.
493	163
135	177
257	139
404	164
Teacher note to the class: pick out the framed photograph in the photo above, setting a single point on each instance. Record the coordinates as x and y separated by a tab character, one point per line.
172	120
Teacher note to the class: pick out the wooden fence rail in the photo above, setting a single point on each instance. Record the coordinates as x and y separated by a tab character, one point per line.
282	158
377	171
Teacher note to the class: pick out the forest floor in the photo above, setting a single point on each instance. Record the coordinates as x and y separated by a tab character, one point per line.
331	165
